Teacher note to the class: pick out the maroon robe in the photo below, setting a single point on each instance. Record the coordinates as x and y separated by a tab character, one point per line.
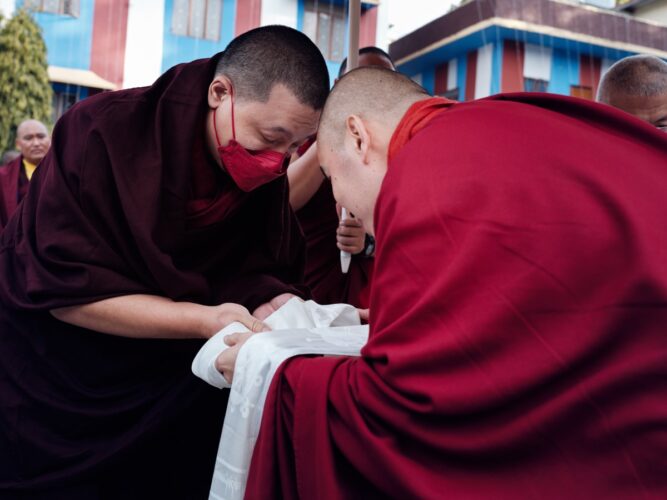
518	343
127	201
13	187
323	275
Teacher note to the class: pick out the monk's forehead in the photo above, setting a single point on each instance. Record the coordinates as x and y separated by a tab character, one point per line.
630	102
30	127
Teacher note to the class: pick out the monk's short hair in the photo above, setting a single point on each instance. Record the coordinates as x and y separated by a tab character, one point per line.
263	57
640	76
370	92
365	50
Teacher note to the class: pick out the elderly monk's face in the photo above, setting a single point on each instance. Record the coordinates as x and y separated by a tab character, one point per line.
357	167
651	109
33	141
281	124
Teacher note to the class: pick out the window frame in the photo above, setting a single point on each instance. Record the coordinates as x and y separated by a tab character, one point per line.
204	27
535	82
452	94
71	8
582	92
336	13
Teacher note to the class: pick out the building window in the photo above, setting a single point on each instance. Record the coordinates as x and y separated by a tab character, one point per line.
325	24
535	85
581	92
64	7
452	94
197	18
62	101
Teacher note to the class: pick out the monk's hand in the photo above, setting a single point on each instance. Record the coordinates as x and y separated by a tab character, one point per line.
351	236
268	308
363	315
226	360
218	317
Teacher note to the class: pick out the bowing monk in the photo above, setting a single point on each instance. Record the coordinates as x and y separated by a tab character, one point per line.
638	85
159	215
326	234
32	143
517	324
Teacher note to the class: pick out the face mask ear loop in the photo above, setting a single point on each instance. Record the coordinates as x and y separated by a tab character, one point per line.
231	94
215	128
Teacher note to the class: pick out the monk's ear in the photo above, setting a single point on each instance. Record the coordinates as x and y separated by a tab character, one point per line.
357	129
218	91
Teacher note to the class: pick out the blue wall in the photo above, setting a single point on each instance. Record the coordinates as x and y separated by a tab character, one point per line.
68	39
462	71
564	71
496	66
178	49
428	80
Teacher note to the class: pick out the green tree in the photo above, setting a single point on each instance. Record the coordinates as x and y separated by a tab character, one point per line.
25	91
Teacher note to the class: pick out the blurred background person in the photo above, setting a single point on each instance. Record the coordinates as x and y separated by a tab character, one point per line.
32	143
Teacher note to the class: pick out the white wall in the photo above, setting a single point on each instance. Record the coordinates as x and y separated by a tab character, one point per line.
382	29
483	75
143	48
279	12
7	7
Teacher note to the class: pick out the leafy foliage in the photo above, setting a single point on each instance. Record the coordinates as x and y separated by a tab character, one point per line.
25	91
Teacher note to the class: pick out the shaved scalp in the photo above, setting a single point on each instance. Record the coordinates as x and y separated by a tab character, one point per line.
366	50
372	93
637	76
261	58
24	123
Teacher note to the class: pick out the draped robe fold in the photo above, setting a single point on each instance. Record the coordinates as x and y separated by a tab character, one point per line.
517	341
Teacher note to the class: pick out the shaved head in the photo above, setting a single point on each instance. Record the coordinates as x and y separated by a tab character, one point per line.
372	93
261	58
637	85
30	124
641	75
356	126
32	140
374	56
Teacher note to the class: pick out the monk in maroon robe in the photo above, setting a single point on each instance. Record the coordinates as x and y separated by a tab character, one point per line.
32	142
158	216
326	234
517	325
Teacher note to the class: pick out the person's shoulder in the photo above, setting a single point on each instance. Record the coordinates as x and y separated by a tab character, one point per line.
101	103
102	111
12	164
9	168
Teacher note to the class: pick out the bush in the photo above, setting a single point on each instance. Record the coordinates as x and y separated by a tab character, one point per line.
25	91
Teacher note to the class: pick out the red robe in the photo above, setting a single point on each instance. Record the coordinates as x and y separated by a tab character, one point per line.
518	319
13	187
127	201
323	275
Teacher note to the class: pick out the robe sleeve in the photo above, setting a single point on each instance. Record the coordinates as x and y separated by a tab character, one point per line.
64	253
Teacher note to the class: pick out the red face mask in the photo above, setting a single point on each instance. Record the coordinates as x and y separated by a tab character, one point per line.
249	169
